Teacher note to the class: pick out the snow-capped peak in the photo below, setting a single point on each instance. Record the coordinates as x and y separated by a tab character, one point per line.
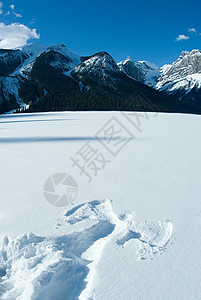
100	66
183	75
101	60
142	71
126	60
190	53
189	60
61	48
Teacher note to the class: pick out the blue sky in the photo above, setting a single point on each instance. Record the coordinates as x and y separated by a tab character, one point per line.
143	30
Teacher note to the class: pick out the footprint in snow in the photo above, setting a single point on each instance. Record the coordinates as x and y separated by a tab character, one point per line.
33	267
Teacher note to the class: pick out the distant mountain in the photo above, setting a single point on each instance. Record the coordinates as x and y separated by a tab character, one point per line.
182	79
99	68
54	78
142	71
13	66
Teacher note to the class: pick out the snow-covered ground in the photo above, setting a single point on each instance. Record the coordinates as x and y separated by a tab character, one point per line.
134	230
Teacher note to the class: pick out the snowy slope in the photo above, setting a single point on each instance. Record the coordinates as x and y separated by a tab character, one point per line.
22	60
133	232
31	51
185	84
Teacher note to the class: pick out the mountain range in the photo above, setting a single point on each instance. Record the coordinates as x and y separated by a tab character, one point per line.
181	79
39	78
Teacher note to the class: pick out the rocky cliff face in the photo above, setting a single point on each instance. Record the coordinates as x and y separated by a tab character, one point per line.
188	63
183	77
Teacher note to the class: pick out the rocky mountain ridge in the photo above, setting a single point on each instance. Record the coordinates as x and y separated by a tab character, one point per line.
54	78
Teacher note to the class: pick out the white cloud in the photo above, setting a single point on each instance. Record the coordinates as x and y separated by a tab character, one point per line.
192	30
1	5
15	35
182	37
17	15
33	22
12	6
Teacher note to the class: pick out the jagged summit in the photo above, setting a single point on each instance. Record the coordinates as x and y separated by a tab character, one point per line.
193	52
100	60
127	60
100	67
141	71
62	49
182	74
183	77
